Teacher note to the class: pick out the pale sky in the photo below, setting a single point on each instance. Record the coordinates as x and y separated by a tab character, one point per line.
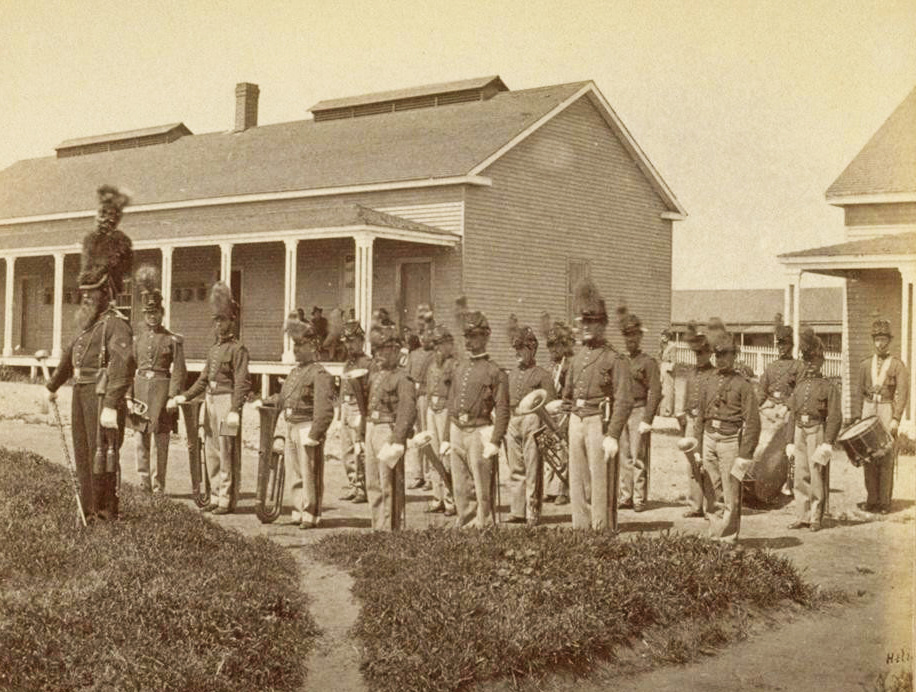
749	110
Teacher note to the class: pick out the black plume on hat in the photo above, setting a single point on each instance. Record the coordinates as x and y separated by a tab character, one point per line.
299	330
809	345
525	338
588	302
475	322
629	323
107	254
147	279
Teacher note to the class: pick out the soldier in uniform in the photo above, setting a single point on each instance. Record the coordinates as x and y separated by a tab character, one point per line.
161	372
479	416
439	378
392	413
418	361
729	424
883	388
776	386
224	378
666	364
560	343
352	425
598	392
525	466
815	418
646	395
306	399
705	484
100	360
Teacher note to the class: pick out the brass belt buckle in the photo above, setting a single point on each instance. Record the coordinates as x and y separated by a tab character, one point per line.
805	418
716	424
580	403
463	419
76	373
289	412
149	374
211	385
375	415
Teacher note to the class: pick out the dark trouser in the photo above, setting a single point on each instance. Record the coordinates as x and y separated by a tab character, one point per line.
98	477
879	475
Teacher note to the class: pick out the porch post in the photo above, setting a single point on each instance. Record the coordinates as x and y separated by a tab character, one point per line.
58	319
8	307
907	333
289	293
225	262
363	280
166	284
795	287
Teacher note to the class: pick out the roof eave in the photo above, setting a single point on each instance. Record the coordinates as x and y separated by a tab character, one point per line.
848	199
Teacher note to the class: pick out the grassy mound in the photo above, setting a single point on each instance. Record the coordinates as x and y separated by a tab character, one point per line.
161	600
444	609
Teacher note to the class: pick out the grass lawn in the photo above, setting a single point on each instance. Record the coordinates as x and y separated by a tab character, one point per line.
160	600
443	610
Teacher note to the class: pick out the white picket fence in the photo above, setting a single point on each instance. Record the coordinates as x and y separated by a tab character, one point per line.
758	357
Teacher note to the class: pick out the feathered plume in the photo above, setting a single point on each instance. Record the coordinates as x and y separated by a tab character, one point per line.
107	251
588	301
298	329
147	278
221	302
809	344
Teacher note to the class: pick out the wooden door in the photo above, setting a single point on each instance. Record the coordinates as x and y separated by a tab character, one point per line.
416	289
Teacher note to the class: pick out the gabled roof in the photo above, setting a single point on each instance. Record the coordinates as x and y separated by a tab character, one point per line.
418	145
398	94
754	306
892	244
887	164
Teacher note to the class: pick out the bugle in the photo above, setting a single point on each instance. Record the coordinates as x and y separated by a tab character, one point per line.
550	438
271	467
200	479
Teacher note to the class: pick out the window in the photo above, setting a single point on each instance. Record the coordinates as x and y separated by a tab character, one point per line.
125	299
576	270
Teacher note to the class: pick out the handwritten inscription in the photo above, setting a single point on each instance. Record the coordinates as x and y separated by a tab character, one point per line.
903	655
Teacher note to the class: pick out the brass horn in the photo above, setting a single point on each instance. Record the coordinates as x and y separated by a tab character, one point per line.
550	438
271	467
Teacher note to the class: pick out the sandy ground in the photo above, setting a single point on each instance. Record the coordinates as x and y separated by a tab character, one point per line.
846	648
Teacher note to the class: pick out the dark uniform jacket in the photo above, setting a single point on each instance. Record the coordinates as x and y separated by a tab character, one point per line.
479	389
393	399
86	357
598	373
347	387
894	389
307	395
779	380
646	386
816	401
225	372
439	382
695	377
161	372
522	381
728	405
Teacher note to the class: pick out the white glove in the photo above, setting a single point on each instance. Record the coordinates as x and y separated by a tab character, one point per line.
644	427
307	441
782	410
610	447
357	448
790	450
256	404
490	450
109	418
176	401
232	420
445	449
51	396
822	454
741	467
895	424
390	454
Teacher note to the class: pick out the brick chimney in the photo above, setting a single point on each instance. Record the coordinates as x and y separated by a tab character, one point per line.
246	106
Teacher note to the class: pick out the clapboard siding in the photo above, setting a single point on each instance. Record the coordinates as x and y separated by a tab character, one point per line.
569	191
262	270
880	214
446	215
875	292
191	268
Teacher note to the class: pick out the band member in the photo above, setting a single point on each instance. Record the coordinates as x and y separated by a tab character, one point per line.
816	418
560	341
306	399
439	378
479	415
100	360
705	484
418	361
598	392
646	394
526	477
392	413
666	364
729	424
161	372
776	386
224	378
714	329
883	388
352	425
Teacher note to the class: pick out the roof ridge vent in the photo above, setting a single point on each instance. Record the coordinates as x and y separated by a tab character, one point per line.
132	139
428	96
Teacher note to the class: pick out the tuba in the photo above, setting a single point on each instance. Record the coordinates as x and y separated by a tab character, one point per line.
271	467
550	438
200	479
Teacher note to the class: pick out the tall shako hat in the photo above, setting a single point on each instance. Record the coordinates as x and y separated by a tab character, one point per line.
782	332
723	342
588	303
107	252
630	324
298	329
809	345
386	335
441	334
881	327
696	339
147	279
475	322
560	333
221	301
525	338
352	329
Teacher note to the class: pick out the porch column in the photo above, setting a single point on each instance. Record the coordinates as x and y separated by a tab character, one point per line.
58	319
166	284
363	280
8	307
289	293
225	263
792	302
907	332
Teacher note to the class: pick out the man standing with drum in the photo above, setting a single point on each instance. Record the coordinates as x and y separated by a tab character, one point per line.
882	386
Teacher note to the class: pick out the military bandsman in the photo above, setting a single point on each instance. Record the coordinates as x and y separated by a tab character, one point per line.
352	424
560	342
597	392
224	378
418	361
439	378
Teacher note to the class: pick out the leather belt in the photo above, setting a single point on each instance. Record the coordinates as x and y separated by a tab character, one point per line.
809	420
298	413
724	427
379	417
464	420
151	374
875	398
349	399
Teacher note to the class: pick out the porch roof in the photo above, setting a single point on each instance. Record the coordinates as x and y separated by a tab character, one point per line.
893	244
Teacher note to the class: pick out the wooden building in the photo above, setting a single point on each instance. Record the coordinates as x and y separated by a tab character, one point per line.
389	199
877	193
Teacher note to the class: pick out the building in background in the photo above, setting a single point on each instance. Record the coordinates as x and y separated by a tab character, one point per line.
382	200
